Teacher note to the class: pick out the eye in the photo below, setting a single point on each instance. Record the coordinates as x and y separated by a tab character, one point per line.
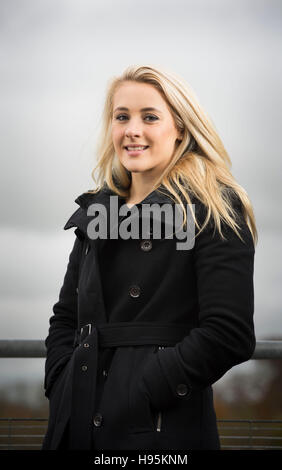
120	115
152	116
123	115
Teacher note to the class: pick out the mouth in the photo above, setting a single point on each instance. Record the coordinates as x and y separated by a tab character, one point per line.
136	150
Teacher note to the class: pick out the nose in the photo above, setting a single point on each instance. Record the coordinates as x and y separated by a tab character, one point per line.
132	131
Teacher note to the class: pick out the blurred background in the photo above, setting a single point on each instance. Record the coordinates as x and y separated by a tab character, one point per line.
56	59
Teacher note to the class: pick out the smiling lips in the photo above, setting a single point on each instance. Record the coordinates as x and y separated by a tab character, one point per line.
137	147
136	150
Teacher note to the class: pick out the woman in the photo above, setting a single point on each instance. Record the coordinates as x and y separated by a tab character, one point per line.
144	326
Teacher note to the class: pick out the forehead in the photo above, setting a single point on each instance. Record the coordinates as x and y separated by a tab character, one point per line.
135	95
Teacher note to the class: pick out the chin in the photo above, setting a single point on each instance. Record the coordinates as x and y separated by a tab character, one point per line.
137	169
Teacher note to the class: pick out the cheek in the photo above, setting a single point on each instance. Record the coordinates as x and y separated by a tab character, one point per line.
163	141
116	135
161	136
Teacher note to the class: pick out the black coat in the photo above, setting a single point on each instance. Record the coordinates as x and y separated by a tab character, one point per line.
163	326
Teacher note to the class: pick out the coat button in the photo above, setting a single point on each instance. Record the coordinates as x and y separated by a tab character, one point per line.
77	290
105	373
181	390
98	420
87	248
146	245
84	368
86	345
134	291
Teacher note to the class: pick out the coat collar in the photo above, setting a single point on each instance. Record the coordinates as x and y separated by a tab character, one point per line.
80	218
159	195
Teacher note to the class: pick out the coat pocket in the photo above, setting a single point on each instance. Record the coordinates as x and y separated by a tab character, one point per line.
58	376
60	405
143	417
160	413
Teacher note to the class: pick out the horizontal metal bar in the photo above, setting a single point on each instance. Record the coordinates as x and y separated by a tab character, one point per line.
27	419
22	348
245	420
239	447
20	445
245	428
247	425
268	349
265	349
12	436
251	437
8	426
251	447
219	421
248	431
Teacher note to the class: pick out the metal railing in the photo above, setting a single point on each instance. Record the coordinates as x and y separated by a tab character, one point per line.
28	433
22	433
252	434
265	349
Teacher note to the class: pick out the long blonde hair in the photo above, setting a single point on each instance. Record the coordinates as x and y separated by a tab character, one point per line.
200	165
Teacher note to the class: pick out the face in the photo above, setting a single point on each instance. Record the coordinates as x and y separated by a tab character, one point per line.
153	128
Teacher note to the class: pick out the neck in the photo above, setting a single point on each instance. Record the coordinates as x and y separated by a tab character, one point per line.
141	186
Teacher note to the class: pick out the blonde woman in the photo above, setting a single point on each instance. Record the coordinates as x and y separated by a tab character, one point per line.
145	324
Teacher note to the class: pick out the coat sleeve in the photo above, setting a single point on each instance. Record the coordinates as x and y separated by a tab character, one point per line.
60	342
225	333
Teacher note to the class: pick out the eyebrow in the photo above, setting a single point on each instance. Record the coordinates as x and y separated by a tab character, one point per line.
123	108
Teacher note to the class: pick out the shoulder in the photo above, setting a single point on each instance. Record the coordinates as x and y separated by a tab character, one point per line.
88	197
98	195
229	195
79	217
228	232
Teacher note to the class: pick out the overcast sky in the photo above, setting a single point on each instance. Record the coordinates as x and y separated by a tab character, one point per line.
56	59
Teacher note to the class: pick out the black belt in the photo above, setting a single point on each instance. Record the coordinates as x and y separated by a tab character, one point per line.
135	333
93	337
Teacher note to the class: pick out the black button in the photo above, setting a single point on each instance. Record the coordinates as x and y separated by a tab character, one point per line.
86	345
84	368
182	390
105	373
134	291
146	245
98	420
77	290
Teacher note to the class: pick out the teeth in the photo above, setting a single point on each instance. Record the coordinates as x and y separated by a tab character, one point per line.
136	148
